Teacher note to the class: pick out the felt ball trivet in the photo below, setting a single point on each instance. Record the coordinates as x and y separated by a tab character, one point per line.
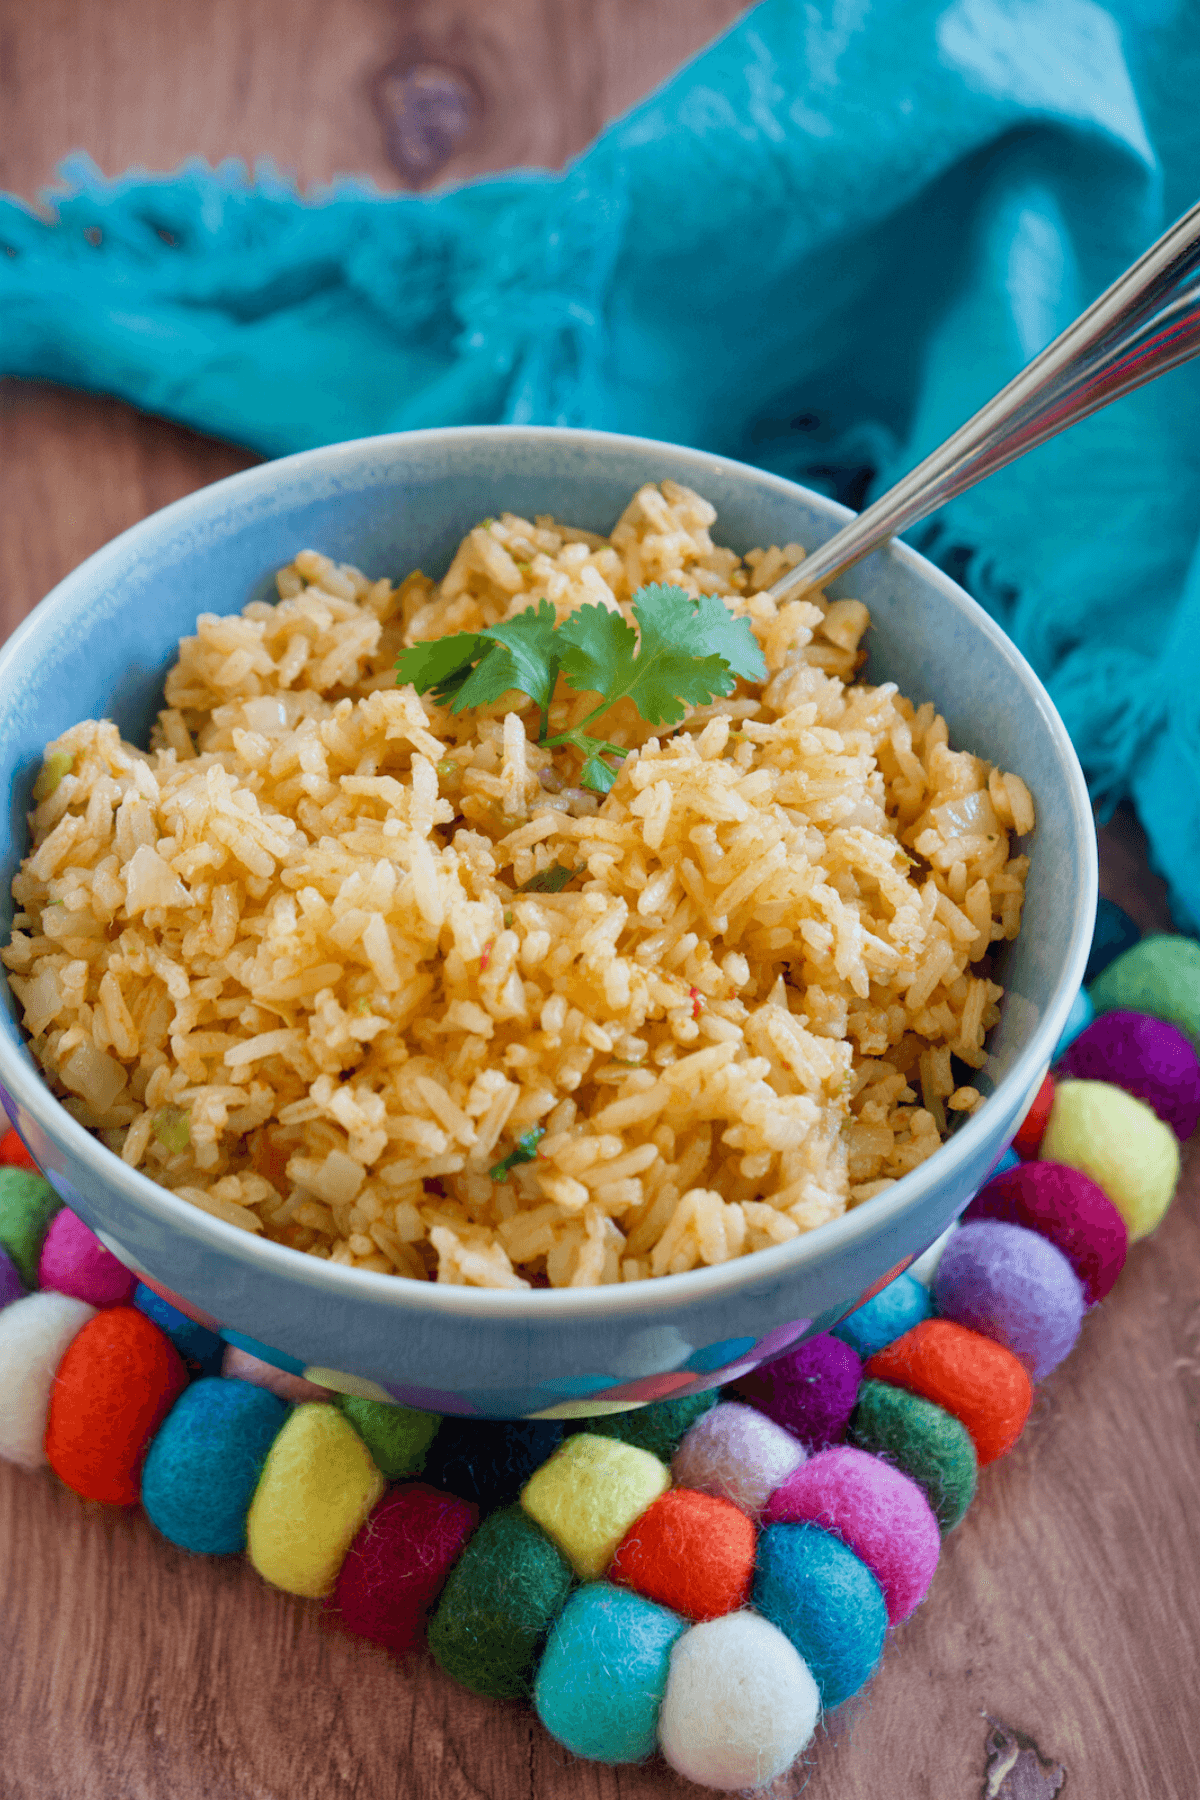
802	1545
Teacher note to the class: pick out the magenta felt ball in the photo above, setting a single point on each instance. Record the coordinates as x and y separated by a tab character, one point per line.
1013	1286
1070	1210
810	1391
876	1511
397	1565
1149	1058
75	1262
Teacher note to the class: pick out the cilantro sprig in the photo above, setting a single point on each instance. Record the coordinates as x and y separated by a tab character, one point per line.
685	652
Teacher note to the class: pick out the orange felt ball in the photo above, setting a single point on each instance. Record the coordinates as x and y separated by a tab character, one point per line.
691	1552
116	1384
14	1154
979	1381
1033	1125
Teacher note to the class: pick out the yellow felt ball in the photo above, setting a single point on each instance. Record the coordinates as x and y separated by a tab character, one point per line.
1117	1140
317	1486
588	1495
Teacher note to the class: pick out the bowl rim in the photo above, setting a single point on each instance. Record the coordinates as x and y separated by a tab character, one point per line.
659	1294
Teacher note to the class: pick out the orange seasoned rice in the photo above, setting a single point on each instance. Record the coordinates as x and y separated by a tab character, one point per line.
283	962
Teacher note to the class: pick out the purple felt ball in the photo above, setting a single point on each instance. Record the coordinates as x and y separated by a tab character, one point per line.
810	1392
75	1262
1149	1058
1013	1286
1067	1207
11	1285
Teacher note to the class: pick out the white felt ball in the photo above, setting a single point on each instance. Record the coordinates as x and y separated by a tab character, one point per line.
740	1703
34	1334
738	1454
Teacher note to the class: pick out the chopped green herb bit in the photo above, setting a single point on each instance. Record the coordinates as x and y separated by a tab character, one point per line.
525	1152
362	1005
685	652
173	1129
448	772
56	765
508	918
629	1062
524	567
550	881
486	524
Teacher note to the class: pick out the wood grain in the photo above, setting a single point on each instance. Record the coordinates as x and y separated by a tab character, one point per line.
1066	1612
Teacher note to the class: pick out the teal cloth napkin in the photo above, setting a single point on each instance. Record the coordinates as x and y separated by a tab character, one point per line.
818	248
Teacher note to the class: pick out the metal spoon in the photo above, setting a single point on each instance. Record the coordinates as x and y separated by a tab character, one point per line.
1148	321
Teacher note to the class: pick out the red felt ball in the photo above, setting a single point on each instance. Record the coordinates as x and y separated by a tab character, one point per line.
1033	1125
116	1384
14	1153
1067	1207
397	1565
691	1552
977	1380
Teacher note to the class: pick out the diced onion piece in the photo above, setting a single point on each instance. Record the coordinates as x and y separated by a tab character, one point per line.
96	1077
969	816
149	881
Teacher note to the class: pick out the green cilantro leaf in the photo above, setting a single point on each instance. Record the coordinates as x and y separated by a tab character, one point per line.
687	653
598	775
525	656
525	1151
684	653
442	664
550	881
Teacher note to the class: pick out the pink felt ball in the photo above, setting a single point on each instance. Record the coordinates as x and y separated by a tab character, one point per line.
810	1392
397	1565
75	1262
1067	1208
876	1511
1150	1058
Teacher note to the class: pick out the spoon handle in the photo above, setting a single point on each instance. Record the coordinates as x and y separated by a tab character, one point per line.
1145	323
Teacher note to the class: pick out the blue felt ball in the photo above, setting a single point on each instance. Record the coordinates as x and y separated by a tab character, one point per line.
818	1593
192	1340
604	1672
1114	933
204	1464
1078	1019
899	1306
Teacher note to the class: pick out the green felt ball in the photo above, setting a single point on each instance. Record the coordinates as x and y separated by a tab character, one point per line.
1159	976
27	1205
660	1427
925	1443
501	1598
396	1436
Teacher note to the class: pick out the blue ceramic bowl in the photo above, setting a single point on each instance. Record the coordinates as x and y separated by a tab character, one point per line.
100	644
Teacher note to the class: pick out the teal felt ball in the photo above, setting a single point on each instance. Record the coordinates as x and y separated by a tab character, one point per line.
660	1427
827	1602
495	1609
601	1681
203	1466
899	1306
928	1444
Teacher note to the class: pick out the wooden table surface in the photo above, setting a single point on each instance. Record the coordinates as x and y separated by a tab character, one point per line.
1066	1612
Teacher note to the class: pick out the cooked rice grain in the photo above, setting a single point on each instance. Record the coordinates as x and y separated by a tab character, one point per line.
288	962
